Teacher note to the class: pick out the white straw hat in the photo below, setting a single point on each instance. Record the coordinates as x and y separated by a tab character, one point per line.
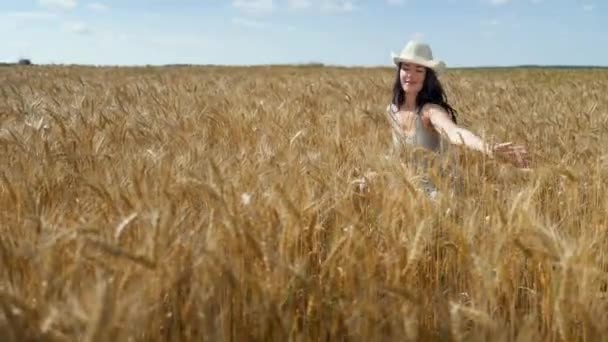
418	53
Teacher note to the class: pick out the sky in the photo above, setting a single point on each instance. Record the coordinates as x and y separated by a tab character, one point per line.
462	33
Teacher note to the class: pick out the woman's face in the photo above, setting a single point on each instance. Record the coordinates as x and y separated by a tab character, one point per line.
412	77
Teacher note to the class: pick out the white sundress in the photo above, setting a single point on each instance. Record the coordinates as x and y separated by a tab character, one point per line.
421	138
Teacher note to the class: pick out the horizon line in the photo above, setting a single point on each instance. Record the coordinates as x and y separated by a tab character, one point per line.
302	64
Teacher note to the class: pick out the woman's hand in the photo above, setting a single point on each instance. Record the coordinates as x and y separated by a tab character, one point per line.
516	154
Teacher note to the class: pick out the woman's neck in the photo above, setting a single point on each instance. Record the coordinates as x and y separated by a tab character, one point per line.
410	103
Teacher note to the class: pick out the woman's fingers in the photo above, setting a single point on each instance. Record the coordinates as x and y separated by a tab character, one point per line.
517	154
501	145
509	146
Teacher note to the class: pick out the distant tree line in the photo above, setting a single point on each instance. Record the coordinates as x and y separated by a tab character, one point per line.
22	61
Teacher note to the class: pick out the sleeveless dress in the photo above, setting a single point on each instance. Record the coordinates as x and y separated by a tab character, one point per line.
420	139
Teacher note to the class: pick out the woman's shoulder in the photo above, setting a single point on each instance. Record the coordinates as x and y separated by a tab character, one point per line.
434	110
391	108
430	107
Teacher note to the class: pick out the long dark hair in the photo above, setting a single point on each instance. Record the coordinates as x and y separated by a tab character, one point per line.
431	92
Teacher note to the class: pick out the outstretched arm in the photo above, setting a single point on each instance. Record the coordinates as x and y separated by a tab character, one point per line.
455	134
462	136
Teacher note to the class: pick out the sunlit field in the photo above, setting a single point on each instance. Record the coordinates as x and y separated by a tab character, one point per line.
221	204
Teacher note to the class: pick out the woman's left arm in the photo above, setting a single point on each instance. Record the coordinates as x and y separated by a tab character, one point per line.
455	134
462	136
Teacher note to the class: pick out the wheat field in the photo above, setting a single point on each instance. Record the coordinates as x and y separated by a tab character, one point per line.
220	204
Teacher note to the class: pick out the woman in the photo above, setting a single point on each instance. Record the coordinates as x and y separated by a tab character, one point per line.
421	117
419	111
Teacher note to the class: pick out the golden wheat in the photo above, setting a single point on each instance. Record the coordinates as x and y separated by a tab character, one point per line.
156	204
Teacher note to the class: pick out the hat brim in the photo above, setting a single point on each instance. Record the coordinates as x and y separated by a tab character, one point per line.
436	65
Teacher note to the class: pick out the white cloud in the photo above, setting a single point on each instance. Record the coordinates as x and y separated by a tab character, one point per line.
499	2
336	6
29	15
59	4
249	23
254	6
588	7
326	6
259	24
299	4
97	7
490	22
77	27
395	2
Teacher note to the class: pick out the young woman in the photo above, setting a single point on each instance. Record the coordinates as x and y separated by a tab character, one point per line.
421	117
420	114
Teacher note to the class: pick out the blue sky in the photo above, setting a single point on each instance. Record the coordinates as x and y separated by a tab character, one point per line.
340	32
